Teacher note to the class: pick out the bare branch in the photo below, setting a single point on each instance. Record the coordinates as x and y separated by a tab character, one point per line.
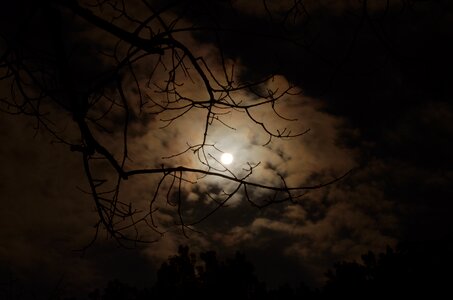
148	65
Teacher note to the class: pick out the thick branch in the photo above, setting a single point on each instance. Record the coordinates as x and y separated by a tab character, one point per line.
234	179
150	46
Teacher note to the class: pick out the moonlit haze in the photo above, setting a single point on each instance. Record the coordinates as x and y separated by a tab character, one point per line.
226	158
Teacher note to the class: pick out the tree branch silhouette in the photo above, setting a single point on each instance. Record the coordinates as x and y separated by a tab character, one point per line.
44	83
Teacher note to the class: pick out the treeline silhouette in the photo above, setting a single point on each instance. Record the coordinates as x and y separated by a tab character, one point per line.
419	270
413	270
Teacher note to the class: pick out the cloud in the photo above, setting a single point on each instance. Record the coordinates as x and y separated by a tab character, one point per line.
44	217
340	223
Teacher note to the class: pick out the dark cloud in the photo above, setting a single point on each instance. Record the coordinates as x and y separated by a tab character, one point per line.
387	77
370	69
46	221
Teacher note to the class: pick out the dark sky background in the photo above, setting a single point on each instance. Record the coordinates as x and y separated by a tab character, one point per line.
376	95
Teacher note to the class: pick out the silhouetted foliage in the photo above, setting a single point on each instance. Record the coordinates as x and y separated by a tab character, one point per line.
117	290
410	270
177	276
181	276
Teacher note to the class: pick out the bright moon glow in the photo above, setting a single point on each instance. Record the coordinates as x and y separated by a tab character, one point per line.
226	158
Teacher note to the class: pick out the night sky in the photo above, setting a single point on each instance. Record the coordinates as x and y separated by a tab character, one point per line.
374	87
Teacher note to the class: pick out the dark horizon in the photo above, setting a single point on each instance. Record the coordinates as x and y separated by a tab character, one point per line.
407	270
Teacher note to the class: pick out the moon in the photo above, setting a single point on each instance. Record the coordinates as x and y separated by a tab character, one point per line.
226	158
